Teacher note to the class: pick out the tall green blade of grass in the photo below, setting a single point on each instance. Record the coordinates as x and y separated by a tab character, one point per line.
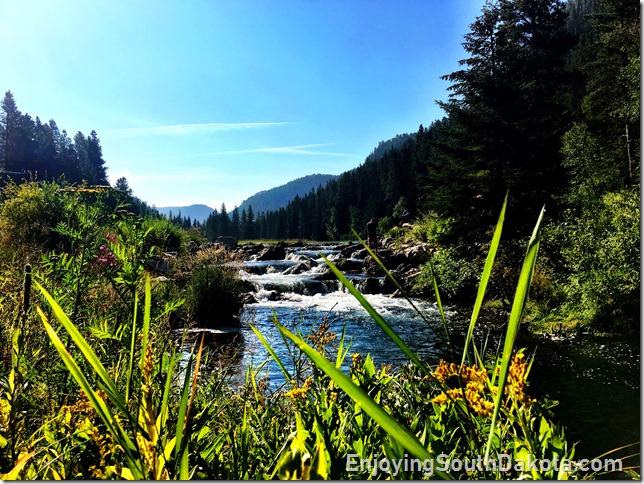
377	318
342	351
399	433
130	368
272	352
108	385
485	277
163	413
440	307
99	405
518	305
146	320
181	437
404	293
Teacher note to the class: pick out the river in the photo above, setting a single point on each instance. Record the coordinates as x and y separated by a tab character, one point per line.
595	380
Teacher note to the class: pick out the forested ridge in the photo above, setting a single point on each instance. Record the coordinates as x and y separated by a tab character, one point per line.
278	197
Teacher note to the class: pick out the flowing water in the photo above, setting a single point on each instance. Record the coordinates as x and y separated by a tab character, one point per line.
595	380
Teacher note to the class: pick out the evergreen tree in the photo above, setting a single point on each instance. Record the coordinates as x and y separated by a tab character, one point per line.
96	171
10	119
123	185
608	59
224	221
45	150
506	115
235	223
68	157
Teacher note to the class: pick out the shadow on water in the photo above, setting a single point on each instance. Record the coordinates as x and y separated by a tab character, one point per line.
597	384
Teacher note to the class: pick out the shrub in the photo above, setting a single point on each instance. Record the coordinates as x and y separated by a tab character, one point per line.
601	251
457	277
215	296
27	214
431	228
163	235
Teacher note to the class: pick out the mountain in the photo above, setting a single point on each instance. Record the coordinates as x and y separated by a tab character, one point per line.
278	197
195	212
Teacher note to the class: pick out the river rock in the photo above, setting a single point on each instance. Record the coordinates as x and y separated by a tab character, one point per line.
272	252
300	267
349	265
416	255
371	285
349	250
226	241
326	275
192	247
158	264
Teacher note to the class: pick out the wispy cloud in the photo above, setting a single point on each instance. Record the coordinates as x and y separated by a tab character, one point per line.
290	150
185	129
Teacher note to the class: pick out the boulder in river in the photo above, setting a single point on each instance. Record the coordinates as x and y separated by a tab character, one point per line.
226	241
300	267
416	255
273	252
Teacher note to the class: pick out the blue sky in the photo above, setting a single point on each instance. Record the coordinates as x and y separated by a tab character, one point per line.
212	101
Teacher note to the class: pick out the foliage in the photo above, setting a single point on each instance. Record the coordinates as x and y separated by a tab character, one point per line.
215	296
28	214
163	235
591	168
601	254
430	229
457	276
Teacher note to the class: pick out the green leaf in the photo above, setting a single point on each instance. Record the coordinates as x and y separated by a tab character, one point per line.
485	277
99	405
272	352
377	318
86	350
518	305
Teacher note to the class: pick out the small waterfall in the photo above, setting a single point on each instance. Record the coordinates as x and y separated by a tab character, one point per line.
301	290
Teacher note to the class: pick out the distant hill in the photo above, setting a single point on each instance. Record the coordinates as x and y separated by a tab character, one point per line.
195	212
278	197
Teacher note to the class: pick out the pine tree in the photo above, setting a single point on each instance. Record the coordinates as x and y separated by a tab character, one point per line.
506	117
10	119
235	222
123	185
45	150
97	173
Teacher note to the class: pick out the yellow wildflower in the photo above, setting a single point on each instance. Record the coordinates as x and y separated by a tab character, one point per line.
299	393
516	383
474	381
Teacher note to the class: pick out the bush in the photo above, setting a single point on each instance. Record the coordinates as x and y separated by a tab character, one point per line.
215	296
163	235
431	228
457	277
27	214
601	253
